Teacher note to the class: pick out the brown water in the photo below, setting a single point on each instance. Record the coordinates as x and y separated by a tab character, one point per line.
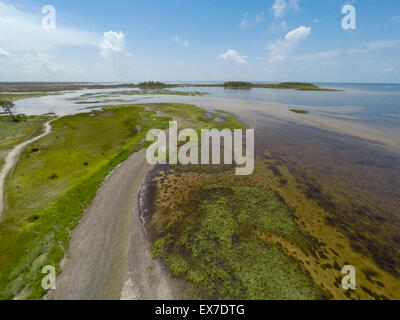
357	183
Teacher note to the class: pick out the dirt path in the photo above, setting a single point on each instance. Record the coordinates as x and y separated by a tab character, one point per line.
108	256
12	158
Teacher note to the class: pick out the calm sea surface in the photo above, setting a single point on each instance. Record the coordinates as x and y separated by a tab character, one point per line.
371	102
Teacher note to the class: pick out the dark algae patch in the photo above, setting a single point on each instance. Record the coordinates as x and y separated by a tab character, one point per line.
217	243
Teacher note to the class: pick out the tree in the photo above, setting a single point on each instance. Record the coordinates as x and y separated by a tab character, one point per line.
8	107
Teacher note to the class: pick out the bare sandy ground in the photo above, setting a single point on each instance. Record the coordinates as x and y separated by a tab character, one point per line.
109	257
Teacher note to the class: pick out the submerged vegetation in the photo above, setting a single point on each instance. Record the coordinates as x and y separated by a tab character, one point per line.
158	91
216	240
108	97
192	116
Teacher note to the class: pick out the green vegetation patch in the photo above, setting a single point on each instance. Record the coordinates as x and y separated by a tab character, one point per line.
216	245
192	116
302	86
237	84
58	176
299	111
14	132
153	84
55	180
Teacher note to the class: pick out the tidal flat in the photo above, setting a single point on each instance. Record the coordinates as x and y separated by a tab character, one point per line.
340	191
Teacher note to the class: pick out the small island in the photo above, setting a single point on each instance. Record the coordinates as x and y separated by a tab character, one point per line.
303	86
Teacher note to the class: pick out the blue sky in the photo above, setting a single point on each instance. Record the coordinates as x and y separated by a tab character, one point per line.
193	40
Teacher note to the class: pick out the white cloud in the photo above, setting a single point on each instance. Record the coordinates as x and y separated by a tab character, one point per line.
24	33
278	27
377	45
282	47
298	34
260	17
41	63
112	42
279	7
294	4
320	55
389	70
231	54
359	49
246	24
40	54
394	19
4	53
185	43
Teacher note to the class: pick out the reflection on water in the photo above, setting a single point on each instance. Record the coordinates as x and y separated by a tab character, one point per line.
372	102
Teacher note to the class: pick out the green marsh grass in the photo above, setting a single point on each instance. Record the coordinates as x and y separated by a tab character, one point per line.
215	246
42	212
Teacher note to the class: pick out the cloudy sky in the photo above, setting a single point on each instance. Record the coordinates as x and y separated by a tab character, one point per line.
199	40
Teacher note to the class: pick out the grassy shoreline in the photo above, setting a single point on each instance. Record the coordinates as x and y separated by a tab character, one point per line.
14	133
58	176
45	205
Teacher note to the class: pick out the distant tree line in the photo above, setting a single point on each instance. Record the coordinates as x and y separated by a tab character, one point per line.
153	84
237	84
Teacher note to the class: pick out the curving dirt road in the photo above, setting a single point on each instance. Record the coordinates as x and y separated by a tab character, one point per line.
109	257
12	158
